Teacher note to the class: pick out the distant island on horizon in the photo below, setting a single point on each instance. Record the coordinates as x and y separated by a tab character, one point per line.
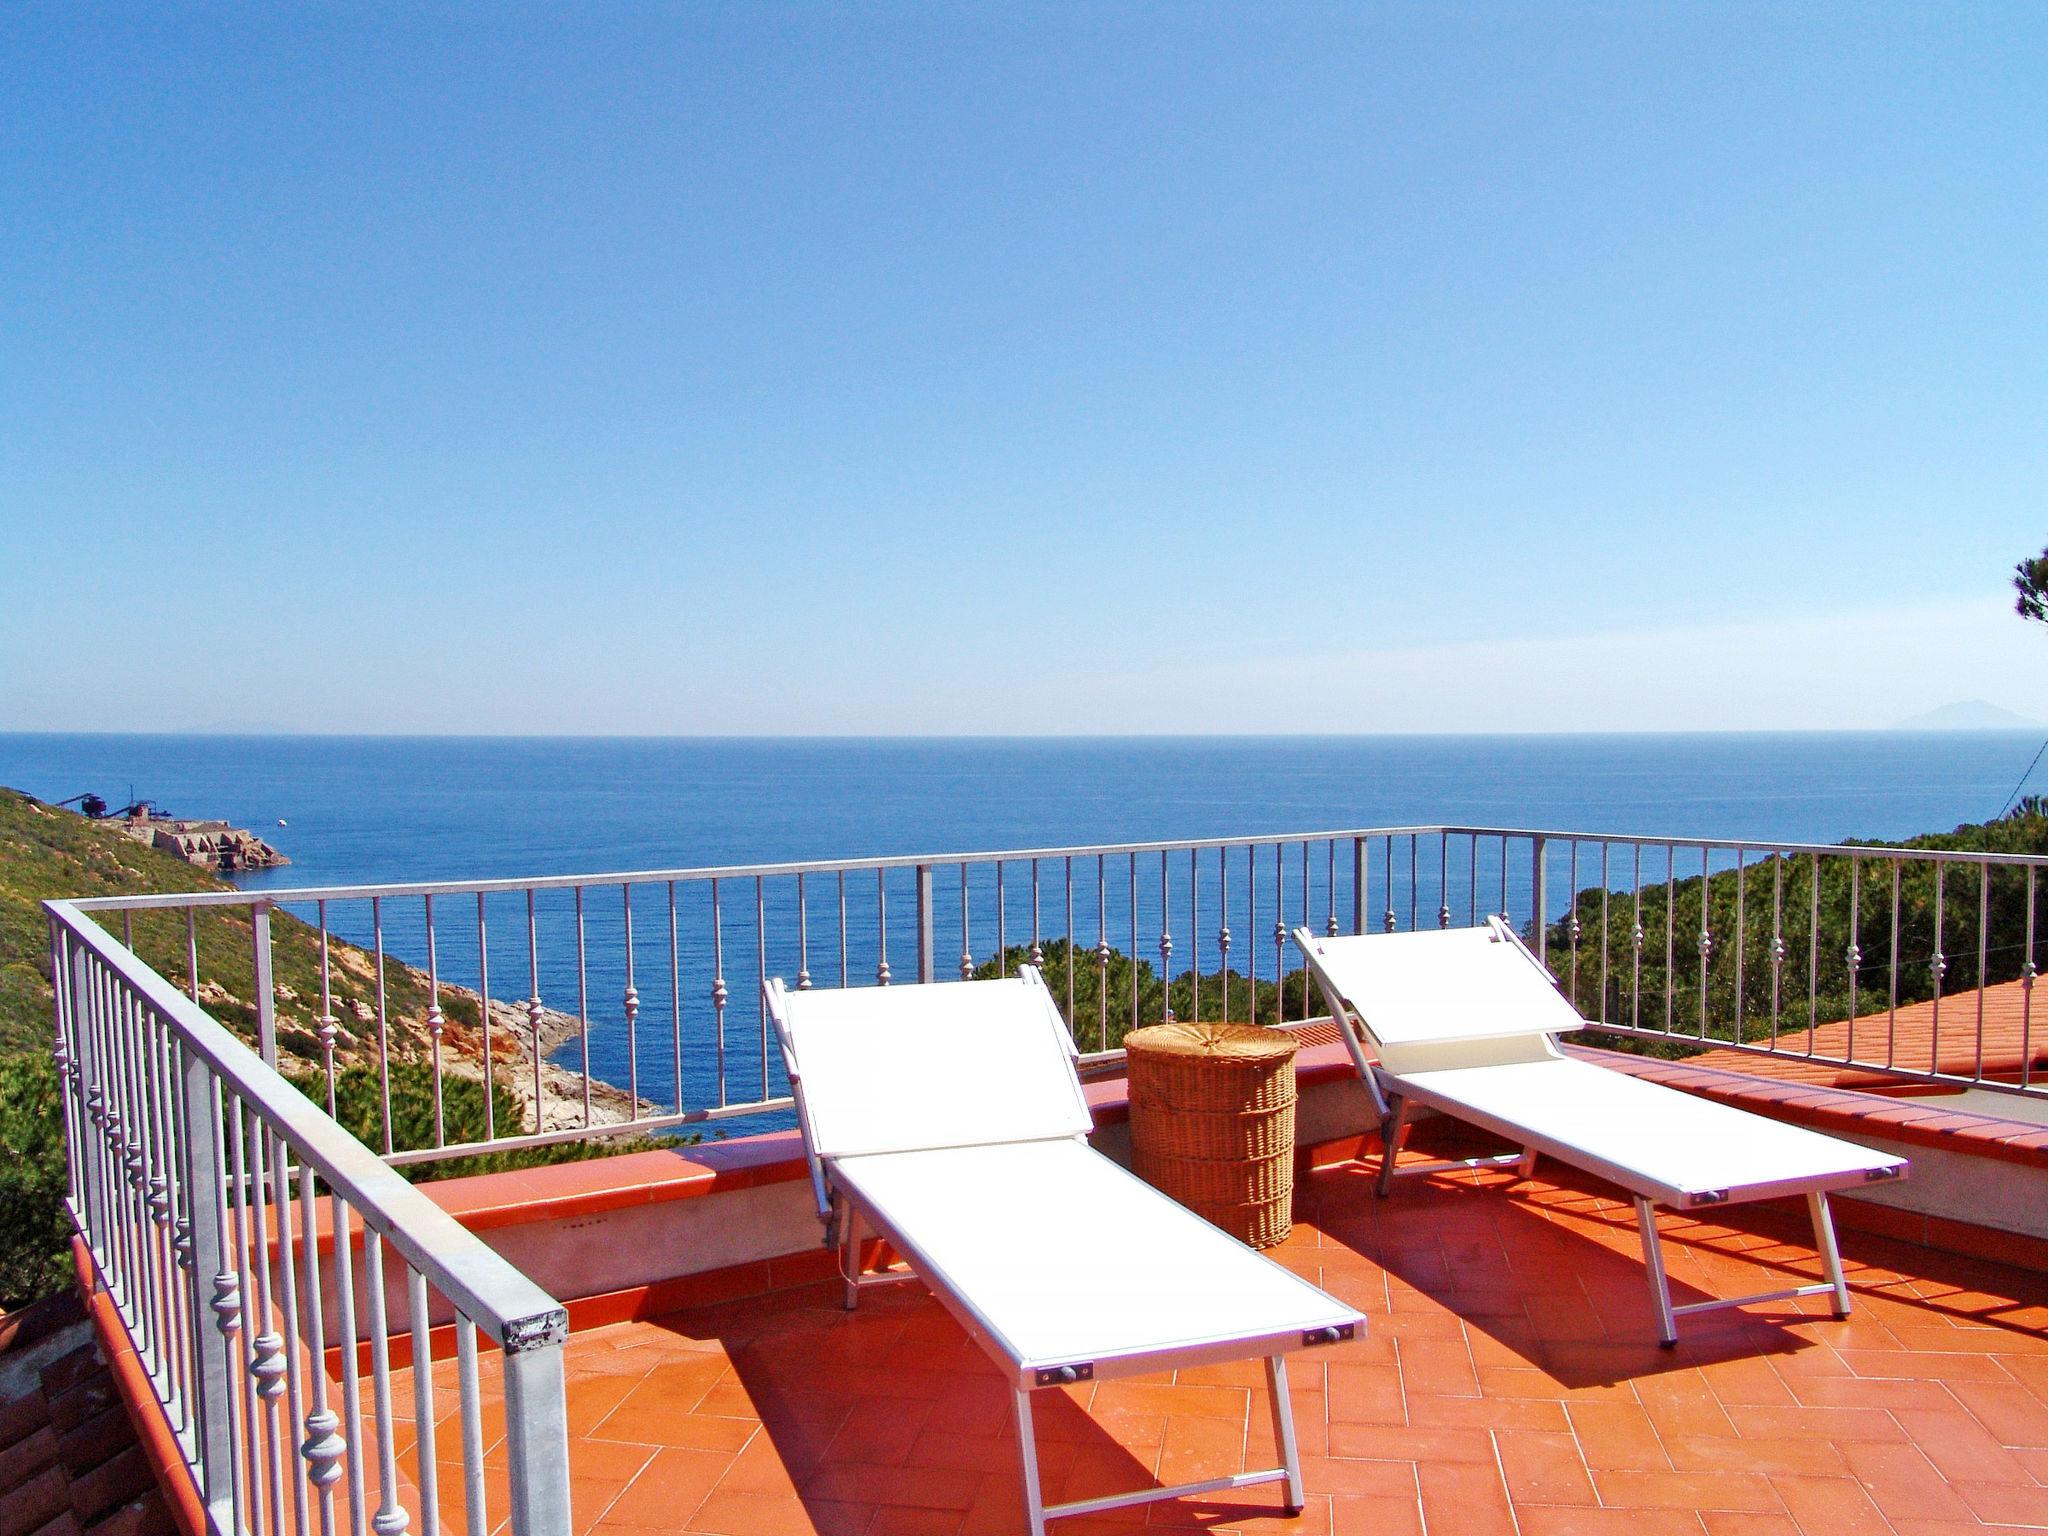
1968	715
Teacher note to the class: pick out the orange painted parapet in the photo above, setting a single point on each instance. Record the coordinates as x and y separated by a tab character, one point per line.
152	1429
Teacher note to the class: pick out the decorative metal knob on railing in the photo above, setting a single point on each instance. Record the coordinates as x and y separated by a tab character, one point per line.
1854	956
267	1364
1939	965
390	1522
1443	917
1330	925
1777	951
1102	954
1166	971
1388	921
803	981
328	1032
1706	947
719	995
631	1003
181	1242
882	972
2028	972
227	1302
1223	939
437	1021
1037	953
1573	930
159	1198
323	1448
533	1015
1636	937
966	966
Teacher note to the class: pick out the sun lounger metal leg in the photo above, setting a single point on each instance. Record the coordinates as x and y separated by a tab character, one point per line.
1393	1132
849	1254
1830	1255
1660	1285
1283	1430
1027	1450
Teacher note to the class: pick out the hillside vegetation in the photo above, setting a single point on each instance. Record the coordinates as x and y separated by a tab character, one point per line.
1815	981
47	853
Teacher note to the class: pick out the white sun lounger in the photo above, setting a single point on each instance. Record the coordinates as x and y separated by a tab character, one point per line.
948	1118
1465	1022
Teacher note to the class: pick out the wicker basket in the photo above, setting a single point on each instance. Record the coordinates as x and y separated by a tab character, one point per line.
1212	1123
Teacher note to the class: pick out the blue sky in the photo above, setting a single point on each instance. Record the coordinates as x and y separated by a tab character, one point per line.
973	368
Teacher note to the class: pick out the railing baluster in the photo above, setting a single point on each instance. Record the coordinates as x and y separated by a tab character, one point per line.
1853	954
761	979
2028	971
675	1000
803	938
882	927
1813	959
582	1008
324	1447
1778	862
476	1518
390	1519
534	1012
1983	958
437	1022
966	939
1706	942
426	1468
1073	960
349	1342
1165	937
718	989
629	1002
383	1024
1891	1022
483	1016
1277	936
1223	928
1102	952
266	1344
1133	861
1635	1006
1741	920
1389	922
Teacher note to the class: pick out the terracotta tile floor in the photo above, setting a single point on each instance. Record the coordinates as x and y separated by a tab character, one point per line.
1510	1383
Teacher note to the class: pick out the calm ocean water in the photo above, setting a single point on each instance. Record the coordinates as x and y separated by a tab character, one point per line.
381	809
365	809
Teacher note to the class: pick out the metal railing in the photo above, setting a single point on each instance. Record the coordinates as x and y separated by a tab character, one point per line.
1757	946
275	1276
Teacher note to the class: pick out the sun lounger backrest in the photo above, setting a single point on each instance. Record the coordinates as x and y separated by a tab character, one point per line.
943	1064
1437	988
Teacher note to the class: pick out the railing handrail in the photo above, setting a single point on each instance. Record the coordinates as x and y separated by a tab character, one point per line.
483	1285
282	896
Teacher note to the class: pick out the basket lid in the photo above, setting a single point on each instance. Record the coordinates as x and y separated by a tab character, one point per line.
1248	1043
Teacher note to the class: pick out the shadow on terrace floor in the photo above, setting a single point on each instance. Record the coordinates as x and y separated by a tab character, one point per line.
1509	1382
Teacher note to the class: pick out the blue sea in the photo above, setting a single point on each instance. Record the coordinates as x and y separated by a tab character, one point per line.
365	810
374	809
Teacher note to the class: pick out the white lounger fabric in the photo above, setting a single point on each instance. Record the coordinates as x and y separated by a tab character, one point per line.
949	1117
1465	1021
890	1069
1065	1256
1671	1146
